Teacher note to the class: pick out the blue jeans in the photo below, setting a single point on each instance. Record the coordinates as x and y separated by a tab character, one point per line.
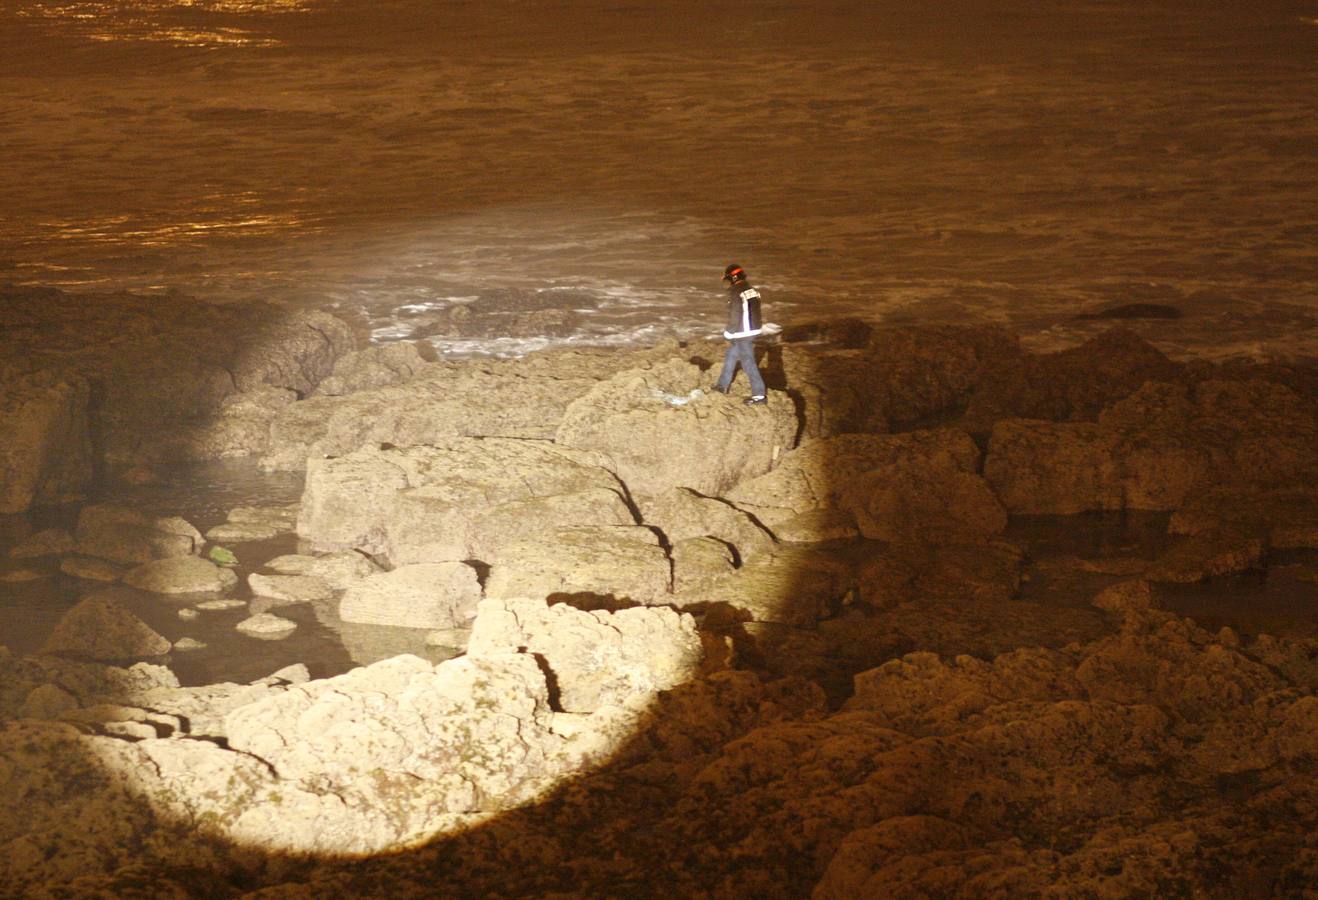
741	351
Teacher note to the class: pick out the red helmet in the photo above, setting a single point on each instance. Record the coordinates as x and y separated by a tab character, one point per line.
734	272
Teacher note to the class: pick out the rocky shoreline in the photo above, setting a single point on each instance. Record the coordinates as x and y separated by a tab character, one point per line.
703	649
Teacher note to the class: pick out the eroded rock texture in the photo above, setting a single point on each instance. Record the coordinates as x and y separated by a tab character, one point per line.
706	661
123	380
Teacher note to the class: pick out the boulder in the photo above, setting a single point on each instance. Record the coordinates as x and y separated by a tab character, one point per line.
1131	597
1037	467
459	501
791	586
894	375
181	575
1156	449
699	560
165	365
681	513
907	571
47	701
918	484
422	595
100	627
918	499
1072	385
45	444
47	542
816	525
593	658
90	568
608	565
127	536
420	740
660	430
240	427
1285	515
372	367
1203	556
180	526
523	398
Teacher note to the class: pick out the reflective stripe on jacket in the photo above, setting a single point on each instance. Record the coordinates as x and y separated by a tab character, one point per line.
743	312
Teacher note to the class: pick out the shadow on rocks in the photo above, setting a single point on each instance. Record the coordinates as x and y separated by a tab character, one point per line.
982	747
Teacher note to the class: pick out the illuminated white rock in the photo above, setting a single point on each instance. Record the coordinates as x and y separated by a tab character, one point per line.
597	657
266	625
425	595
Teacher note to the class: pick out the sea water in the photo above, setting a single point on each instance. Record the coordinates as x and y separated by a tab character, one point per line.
581	172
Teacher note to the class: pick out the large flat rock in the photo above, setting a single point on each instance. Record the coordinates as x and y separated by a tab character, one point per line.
462	500
661	427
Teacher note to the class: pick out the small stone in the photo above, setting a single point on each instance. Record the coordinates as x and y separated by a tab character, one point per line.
222	604
17	575
188	643
90	569
187	614
242	532
267	626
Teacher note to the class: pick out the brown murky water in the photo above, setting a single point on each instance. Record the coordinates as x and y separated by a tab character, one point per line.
982	160
203	494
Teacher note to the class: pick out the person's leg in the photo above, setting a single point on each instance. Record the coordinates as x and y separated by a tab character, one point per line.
751	369
729	368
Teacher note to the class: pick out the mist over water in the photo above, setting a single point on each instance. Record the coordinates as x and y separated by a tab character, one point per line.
582	171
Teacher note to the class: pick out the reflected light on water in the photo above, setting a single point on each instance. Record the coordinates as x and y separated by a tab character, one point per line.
120	229
151	20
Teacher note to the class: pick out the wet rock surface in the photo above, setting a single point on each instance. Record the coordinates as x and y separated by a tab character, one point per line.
698	658
165	372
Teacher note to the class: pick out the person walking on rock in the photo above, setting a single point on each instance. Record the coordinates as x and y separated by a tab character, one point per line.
744	326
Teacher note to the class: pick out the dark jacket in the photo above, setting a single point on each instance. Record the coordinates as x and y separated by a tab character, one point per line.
743	311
